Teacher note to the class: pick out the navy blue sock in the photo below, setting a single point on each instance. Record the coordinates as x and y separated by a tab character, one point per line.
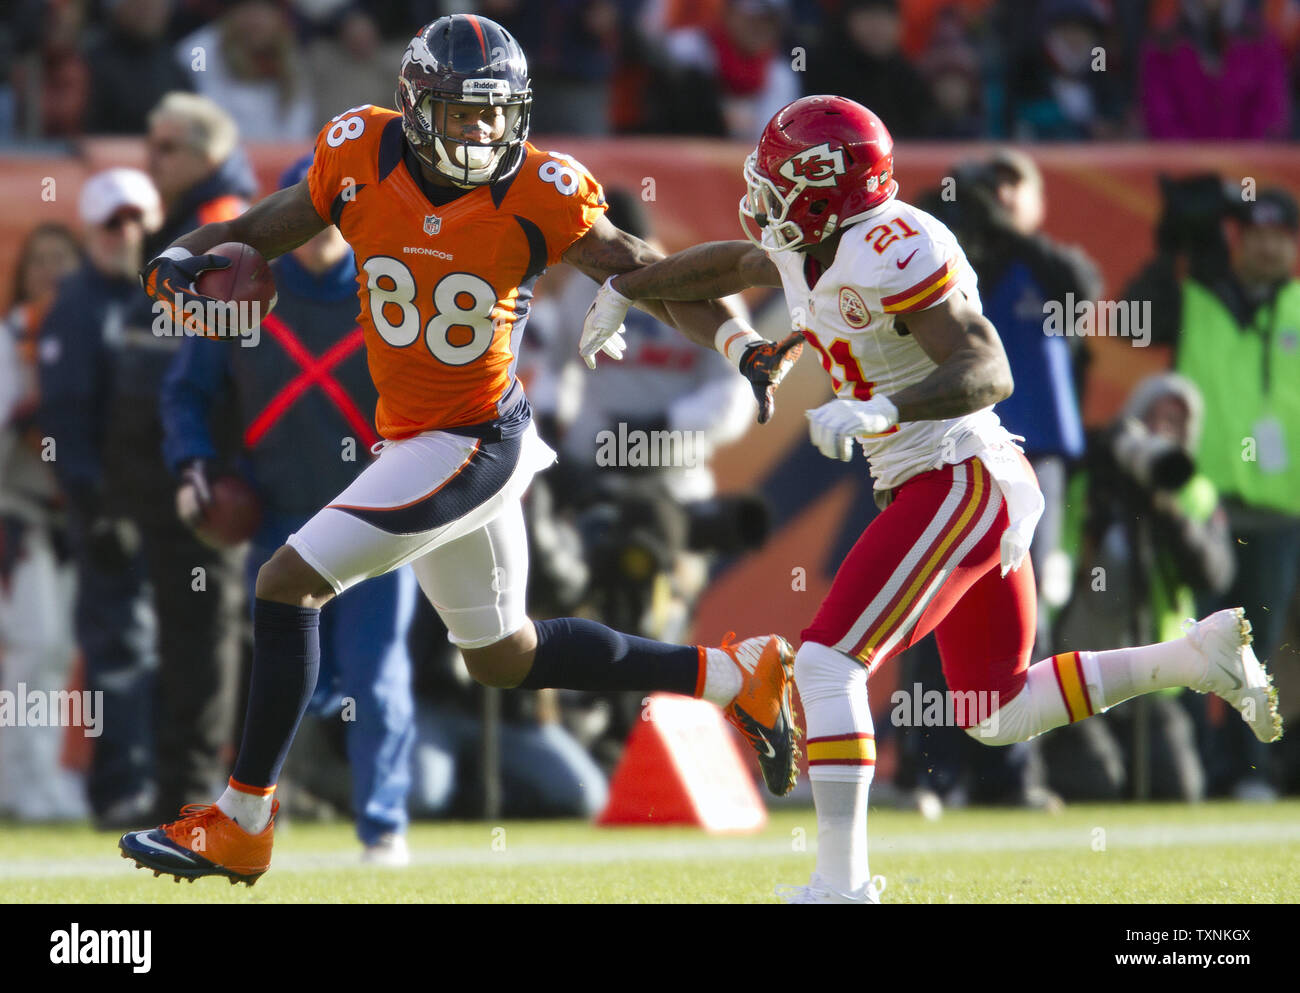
286	660
577	654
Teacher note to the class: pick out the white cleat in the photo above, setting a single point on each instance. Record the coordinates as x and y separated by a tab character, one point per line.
389	852
819	891
1232	671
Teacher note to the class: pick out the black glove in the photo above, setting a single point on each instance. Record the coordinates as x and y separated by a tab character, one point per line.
165	279
765	364
113	542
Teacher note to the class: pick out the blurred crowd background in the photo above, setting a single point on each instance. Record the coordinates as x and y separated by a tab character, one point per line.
941	69
160	115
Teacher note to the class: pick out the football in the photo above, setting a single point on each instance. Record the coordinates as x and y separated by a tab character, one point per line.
247	280
233	515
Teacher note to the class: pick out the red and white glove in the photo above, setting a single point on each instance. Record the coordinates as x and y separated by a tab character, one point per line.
834	426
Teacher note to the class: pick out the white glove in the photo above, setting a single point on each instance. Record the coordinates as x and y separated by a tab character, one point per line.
834	425
602	331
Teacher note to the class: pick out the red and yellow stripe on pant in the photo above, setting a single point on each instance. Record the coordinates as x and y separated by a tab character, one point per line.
1068	668
842	749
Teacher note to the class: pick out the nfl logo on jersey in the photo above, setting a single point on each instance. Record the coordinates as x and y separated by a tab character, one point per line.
432	224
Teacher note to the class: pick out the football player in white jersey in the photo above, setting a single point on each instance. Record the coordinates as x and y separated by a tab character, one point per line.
885	295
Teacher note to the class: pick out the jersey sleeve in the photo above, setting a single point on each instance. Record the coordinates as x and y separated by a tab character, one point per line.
343	147
564	200
928	274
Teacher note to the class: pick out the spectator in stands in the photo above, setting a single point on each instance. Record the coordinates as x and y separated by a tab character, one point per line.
298	457
1153	535
37	647
51	80
87	326
951	68
248	62
133	66
860	58
572	46
1240	344
195	161
741	56
348	63
202	175
1217	74
1059	92
997	213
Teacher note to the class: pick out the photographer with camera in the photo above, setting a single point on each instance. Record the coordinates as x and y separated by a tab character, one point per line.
996	208
1228	300
997	214
1153	537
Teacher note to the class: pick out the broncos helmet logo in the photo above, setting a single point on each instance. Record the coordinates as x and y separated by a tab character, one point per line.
418	52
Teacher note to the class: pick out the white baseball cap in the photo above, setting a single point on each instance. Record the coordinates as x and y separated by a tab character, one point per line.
107	192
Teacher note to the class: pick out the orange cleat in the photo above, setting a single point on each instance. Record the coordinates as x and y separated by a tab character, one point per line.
203	842
761	711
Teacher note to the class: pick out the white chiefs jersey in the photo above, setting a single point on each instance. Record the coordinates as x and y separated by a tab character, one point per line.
894	261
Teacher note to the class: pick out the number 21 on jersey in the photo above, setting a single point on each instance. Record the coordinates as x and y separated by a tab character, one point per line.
840	355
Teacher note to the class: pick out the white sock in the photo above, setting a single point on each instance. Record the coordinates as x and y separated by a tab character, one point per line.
722	677
1074	685
842	831
1129	672
249	811
841	757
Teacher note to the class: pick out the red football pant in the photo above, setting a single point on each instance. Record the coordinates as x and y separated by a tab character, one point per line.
930	562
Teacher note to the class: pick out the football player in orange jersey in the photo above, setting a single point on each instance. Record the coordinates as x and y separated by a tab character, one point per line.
453	215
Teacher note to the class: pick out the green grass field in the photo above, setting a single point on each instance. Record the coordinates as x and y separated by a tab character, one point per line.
1214	853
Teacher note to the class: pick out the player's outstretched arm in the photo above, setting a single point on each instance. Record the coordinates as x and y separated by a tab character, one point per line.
274	225
702	272
973	371
605	252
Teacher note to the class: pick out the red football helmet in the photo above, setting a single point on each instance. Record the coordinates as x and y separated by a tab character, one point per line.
821	163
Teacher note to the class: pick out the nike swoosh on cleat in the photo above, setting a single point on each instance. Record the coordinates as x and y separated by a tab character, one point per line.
148	842
1236	683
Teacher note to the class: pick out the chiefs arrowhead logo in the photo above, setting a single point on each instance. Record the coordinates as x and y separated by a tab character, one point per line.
815	166
853	309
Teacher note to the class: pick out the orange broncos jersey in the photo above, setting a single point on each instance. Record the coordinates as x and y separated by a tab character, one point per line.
444	290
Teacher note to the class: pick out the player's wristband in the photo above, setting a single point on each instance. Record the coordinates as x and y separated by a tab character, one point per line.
733	338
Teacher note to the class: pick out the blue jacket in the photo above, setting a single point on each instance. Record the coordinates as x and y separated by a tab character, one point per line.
300	454
83	401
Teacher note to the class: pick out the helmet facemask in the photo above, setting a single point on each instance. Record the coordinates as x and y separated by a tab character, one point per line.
767	207
465	162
